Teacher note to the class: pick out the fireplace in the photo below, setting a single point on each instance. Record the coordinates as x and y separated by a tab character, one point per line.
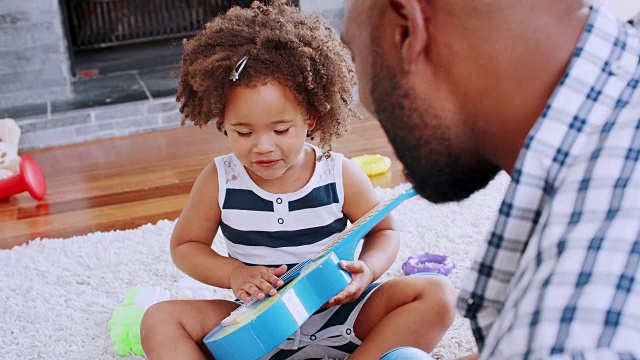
102	23
133	32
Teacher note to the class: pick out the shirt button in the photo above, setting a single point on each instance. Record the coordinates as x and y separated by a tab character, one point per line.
470	301
280	221
617	68
279	200
312	338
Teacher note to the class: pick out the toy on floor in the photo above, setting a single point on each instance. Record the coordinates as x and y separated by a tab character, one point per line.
124	325
9	138
17	174
373	164
428	263
29	178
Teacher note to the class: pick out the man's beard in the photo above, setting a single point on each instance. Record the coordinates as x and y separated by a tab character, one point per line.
420	139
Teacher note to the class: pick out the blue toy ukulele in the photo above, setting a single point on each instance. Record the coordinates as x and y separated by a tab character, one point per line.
259	326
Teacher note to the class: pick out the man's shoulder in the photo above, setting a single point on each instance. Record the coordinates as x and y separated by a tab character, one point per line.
602	182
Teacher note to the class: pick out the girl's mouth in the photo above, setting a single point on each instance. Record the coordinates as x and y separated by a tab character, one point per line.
267	163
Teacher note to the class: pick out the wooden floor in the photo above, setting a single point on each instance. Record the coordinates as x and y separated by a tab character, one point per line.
125	182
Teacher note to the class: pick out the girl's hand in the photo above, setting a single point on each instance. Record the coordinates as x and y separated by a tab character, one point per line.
256	281
361	276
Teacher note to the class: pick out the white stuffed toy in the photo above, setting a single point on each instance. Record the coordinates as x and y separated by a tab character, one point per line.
9	138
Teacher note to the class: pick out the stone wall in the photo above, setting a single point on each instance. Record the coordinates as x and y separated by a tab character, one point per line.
99	122
34	65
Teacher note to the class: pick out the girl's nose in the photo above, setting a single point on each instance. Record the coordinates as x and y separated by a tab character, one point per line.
264	144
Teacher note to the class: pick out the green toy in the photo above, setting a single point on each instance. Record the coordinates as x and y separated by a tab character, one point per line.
124	325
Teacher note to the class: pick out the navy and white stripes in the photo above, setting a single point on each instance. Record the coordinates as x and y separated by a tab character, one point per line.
274	229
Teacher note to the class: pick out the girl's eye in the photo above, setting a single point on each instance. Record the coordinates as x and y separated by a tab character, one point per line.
280	132
243	134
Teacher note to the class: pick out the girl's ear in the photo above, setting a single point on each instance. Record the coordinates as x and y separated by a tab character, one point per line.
311	124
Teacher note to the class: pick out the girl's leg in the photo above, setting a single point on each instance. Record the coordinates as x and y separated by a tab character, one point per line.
174	329
408	311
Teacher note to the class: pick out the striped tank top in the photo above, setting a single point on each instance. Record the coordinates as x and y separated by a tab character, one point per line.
261	228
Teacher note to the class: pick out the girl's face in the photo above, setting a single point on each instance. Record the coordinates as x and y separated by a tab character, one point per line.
266	128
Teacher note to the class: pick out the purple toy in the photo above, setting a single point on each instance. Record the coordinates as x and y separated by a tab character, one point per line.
428	263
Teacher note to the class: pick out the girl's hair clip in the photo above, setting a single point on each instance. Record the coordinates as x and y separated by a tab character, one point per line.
235	74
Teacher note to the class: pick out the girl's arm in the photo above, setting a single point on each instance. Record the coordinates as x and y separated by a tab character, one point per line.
194	233
381	245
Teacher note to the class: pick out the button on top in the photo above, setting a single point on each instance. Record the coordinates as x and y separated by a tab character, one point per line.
280	221
470	301
618	68
279	200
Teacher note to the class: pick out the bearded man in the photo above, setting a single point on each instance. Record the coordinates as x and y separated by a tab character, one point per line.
548	91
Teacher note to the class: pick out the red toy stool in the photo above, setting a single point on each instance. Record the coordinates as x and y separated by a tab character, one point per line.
30	178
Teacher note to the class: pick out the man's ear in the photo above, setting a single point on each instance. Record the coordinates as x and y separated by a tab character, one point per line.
410	30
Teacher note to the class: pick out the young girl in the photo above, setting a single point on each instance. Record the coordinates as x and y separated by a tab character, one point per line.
271	78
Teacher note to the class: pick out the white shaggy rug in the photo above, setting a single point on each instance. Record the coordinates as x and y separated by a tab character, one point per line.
56	295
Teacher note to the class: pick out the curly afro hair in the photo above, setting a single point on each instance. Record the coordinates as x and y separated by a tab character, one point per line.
300	51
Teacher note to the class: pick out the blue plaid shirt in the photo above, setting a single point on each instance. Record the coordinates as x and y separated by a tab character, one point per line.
557	277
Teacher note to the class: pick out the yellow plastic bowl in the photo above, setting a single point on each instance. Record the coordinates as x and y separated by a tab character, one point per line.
372	164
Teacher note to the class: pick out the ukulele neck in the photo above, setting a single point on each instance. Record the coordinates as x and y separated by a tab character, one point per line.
344	246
